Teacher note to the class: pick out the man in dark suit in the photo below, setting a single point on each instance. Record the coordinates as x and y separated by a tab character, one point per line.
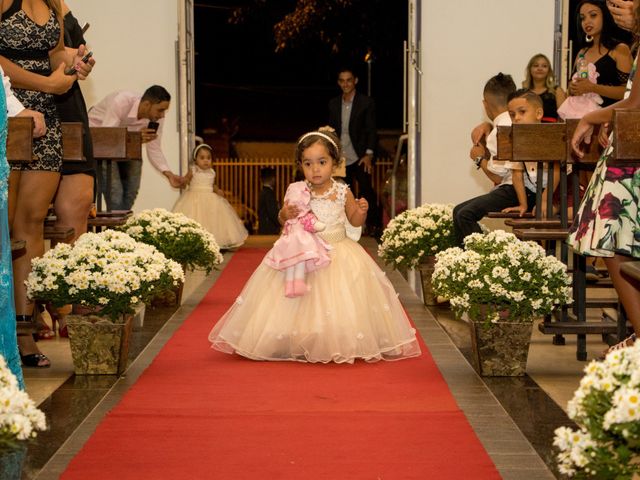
353	116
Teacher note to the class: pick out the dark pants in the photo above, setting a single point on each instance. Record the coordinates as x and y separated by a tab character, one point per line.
467	214
356	174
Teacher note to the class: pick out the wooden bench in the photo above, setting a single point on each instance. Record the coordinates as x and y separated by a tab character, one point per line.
72	142
18	248
72	151
20	139
58	234
631	269
112	144
550	144
20	149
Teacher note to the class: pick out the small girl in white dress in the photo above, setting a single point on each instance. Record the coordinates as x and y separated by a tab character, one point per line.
351	311
205	203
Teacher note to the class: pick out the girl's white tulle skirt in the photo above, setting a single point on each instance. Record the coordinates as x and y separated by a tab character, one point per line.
351	311
215	214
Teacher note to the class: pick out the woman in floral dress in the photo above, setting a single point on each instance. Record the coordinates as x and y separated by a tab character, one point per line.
608	221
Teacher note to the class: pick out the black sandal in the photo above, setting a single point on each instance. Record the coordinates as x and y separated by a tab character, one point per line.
34	359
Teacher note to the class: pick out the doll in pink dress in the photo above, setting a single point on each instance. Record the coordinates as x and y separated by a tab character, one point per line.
299	250
577	106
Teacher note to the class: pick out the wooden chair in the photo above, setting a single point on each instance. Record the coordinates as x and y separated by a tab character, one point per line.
521	143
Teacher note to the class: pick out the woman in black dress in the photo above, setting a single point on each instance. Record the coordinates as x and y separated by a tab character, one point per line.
32	54
602	45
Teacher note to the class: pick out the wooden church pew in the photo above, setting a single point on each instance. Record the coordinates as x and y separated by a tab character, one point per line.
112	144
550	144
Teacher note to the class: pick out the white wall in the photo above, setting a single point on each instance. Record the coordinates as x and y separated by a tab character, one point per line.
134	46
463	44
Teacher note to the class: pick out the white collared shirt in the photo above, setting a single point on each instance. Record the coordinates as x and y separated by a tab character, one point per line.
499	167
120	109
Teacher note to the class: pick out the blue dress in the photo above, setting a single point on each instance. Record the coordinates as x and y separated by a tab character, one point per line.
8	340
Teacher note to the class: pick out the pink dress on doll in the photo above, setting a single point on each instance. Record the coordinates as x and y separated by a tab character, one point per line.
299	242
577	106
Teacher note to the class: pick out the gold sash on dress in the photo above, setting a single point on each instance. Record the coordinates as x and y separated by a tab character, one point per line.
333	234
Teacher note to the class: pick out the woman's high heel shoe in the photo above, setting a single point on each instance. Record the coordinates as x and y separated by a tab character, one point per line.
44	332
37	360
63	332
627	342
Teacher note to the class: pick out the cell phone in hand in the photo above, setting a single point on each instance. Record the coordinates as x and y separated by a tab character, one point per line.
153	126
85	59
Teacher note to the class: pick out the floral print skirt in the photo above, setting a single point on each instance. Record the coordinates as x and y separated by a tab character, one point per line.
608	220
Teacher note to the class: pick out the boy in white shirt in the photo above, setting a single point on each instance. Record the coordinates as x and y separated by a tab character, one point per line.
526	107
467	214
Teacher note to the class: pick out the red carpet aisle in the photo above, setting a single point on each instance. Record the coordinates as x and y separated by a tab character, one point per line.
196	413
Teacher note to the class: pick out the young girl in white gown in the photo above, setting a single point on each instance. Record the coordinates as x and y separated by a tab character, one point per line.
204	203
351	310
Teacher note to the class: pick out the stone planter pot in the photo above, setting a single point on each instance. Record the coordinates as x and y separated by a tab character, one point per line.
98	345
426	268
168	298
500	349
12	457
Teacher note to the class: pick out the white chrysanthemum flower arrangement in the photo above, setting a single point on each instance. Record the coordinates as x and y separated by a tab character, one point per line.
416	234
20	419
496	273
177	237
606	408
109	270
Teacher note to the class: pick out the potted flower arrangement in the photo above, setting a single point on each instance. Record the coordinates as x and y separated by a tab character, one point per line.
20	420
110	273
412	239
177	237
501	284
606	408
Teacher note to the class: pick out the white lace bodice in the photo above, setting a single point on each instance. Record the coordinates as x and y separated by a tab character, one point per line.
202	180
329	207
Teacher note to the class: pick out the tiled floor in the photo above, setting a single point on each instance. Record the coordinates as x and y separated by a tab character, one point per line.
513	417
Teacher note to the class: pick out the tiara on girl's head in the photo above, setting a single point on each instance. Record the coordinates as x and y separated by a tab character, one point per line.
320	134
197	149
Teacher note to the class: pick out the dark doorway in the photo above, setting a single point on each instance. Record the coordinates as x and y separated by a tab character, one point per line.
246	88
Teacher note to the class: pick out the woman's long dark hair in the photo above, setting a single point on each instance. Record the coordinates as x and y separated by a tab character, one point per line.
611	34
